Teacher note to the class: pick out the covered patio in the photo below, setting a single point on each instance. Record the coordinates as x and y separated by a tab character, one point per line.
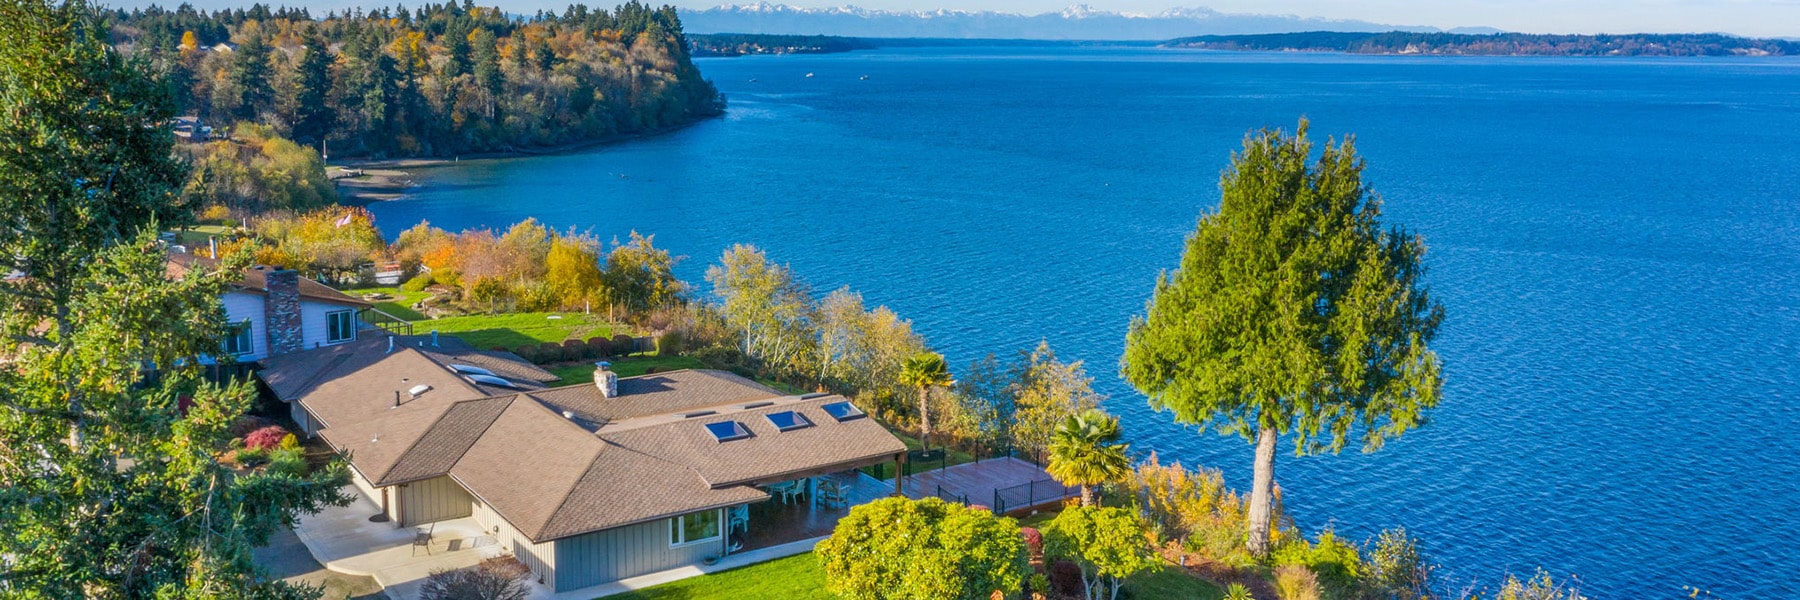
802	509
343	539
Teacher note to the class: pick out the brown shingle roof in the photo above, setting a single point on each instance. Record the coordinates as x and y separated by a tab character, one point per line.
657	393
253	280
448	439
769	454
624	487
526	464
551	476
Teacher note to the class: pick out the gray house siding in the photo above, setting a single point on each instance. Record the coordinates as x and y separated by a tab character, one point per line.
374	495
630	551
434	499
540	558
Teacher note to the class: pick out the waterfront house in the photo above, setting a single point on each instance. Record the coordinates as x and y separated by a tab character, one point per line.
583	484
276	311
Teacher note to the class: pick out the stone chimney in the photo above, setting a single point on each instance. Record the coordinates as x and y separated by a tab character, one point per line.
281	310
606	380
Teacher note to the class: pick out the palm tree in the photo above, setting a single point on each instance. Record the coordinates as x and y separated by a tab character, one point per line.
1083	452
925	370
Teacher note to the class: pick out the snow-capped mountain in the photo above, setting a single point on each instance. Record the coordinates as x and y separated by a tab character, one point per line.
1079	22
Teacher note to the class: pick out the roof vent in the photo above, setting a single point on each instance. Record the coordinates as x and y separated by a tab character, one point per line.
419	390
814	395
698	413
569	414
756	405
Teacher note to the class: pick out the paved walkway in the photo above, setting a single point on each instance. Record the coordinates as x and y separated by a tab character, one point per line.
977	482
286	559
345	541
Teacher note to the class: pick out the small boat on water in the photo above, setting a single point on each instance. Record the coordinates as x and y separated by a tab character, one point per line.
752	80
809	75
864	78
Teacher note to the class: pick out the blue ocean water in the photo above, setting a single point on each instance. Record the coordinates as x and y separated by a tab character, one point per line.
1616	242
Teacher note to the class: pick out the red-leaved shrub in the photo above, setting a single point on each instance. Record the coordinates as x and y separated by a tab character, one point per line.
1065	578
265	438
1034	540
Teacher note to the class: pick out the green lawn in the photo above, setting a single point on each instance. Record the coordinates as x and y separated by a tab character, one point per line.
195	237
583	372
793	578
513	330
799	577
400	305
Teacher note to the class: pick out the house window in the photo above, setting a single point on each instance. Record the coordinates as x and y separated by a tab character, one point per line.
695	528
340	326
237	339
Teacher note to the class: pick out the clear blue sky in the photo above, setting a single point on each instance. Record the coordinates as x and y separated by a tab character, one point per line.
1743	17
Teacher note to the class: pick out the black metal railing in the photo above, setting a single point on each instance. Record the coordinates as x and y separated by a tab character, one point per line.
375	318
948	496
1031	493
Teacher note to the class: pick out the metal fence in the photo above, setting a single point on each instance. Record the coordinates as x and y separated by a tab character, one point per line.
1029	494
950	497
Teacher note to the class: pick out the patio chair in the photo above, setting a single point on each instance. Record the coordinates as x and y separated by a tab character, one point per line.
423	538
830	493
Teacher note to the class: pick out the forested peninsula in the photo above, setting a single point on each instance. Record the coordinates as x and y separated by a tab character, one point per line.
744	44
437	81
1498	44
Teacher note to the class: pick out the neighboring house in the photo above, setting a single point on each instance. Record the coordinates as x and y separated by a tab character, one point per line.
275	311
583	484
191	129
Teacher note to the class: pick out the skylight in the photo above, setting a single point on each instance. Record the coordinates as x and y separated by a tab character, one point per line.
491	380
843	411
471	370
788	420
725	431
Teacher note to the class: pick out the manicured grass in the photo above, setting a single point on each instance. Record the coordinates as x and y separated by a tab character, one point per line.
583	372
800	577
400	305
797	577
513	330
195	237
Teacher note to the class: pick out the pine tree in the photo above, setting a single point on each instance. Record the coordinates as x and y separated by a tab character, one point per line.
313	113
249	75
1293	313
110	486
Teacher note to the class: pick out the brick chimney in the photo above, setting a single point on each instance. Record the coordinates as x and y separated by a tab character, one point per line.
281	310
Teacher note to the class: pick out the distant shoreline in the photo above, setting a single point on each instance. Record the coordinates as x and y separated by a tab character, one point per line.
364	181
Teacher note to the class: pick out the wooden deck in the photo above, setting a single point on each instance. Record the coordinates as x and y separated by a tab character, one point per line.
976	482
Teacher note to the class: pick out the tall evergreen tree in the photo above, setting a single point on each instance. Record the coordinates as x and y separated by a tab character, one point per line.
314	114
1293	312
250	78
109	483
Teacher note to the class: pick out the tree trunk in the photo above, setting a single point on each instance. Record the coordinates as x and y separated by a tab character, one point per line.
925	418
1262	491
1087	495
